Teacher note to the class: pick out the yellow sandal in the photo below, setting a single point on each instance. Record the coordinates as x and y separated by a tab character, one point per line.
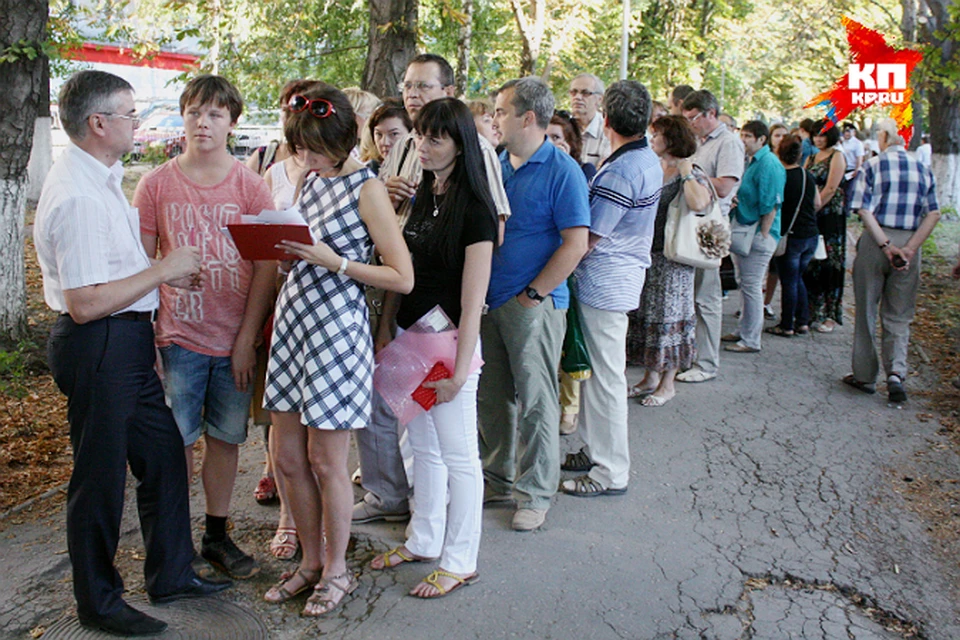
434	581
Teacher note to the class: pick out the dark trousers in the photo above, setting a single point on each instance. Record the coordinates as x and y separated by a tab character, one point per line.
794	310
117	416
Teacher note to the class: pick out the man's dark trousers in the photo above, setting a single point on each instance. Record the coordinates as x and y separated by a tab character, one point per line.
117	416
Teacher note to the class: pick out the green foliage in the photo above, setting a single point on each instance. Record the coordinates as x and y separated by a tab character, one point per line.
14	368
765	58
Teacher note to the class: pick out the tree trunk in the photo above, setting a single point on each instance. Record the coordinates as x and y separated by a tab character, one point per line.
944	113
392	42
531	33
41	155
22	81
945	142
463	49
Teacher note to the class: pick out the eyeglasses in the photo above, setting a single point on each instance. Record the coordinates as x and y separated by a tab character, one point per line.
563	113
694	118
421	87
318	107
583	93
135	119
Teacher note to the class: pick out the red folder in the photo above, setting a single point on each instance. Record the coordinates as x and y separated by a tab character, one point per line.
257	241
425	396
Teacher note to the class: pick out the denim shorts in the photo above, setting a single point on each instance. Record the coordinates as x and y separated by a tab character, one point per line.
203	397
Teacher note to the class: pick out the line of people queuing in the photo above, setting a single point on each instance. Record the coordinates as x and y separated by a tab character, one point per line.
411	206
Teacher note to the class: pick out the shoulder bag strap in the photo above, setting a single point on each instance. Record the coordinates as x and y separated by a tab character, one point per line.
803	193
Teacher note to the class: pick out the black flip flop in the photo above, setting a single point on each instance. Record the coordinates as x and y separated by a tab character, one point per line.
866	387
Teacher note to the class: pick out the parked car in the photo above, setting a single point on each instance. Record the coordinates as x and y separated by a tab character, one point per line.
163	129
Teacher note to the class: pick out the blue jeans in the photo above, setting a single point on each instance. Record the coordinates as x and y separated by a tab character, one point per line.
794	311
203	397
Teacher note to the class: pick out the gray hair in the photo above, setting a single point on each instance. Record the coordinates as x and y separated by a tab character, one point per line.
86	93
626	105
532	94
702	101
889	127
598	85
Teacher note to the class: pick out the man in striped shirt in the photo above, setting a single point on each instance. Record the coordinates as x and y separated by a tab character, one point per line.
623	207
896	198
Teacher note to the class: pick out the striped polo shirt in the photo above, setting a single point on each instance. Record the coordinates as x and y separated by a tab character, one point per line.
623	208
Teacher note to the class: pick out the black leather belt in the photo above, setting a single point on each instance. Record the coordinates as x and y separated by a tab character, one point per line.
137	316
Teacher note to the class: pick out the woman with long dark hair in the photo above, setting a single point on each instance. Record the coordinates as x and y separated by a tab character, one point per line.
320	373
451	235
824	278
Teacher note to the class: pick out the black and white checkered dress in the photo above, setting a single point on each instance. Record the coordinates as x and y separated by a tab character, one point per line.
321	356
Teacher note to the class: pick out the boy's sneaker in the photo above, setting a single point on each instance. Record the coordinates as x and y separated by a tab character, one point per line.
228	557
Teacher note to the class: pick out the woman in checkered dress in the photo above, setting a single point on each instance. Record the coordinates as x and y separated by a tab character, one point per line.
319	378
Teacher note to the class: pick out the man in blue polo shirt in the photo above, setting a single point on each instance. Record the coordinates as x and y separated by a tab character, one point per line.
522	334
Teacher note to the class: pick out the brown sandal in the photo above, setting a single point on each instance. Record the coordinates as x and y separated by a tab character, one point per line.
280	593
329	593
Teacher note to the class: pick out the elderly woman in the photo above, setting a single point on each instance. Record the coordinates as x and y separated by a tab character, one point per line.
661	336
824	278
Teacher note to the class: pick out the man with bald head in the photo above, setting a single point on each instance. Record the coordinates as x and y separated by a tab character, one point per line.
586	92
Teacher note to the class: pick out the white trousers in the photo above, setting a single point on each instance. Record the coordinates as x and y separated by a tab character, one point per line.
603	416
446	458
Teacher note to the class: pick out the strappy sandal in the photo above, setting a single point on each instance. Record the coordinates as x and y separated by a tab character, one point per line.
637	391
578	461
329	593
284	544
586	487
266	491
434	581
280	592
400	552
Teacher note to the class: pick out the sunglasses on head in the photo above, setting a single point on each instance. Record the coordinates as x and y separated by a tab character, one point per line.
318	107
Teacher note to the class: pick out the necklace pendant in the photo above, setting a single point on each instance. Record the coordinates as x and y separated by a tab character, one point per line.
436	212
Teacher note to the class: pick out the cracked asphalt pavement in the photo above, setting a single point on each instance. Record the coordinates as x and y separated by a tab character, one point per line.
760	505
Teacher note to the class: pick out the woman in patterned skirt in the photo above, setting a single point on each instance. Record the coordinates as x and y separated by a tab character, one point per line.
319	378
824	278
661	336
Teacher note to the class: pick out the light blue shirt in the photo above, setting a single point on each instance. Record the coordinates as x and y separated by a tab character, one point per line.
623	209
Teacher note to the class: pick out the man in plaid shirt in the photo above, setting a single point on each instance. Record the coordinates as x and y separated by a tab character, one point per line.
896	198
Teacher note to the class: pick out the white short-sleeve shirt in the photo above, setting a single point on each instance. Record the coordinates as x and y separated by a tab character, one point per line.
86	232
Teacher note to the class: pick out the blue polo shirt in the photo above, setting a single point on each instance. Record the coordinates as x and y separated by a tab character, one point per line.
761	190
547	194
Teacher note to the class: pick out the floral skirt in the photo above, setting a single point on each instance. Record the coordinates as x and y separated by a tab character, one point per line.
662	332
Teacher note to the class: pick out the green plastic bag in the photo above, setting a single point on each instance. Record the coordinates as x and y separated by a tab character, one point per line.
574	359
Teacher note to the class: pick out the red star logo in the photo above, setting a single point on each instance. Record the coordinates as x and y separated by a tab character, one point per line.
878	75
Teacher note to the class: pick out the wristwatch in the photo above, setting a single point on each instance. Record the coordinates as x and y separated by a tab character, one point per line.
533	294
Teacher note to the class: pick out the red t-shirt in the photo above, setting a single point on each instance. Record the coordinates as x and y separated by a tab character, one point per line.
178	211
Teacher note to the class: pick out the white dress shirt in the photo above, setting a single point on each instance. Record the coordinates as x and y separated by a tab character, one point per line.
86	232
596	146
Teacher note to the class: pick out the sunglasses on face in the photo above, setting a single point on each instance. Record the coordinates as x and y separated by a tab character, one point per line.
318	107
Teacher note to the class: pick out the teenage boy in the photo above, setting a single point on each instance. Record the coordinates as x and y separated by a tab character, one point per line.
207	338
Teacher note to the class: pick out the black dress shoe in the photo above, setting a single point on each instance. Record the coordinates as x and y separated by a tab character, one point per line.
196	588
125	622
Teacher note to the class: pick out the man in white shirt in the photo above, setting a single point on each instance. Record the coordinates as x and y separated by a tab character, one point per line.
586	92
853	154
924	153
97	275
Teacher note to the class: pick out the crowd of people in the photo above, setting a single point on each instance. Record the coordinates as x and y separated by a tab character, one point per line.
498	212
